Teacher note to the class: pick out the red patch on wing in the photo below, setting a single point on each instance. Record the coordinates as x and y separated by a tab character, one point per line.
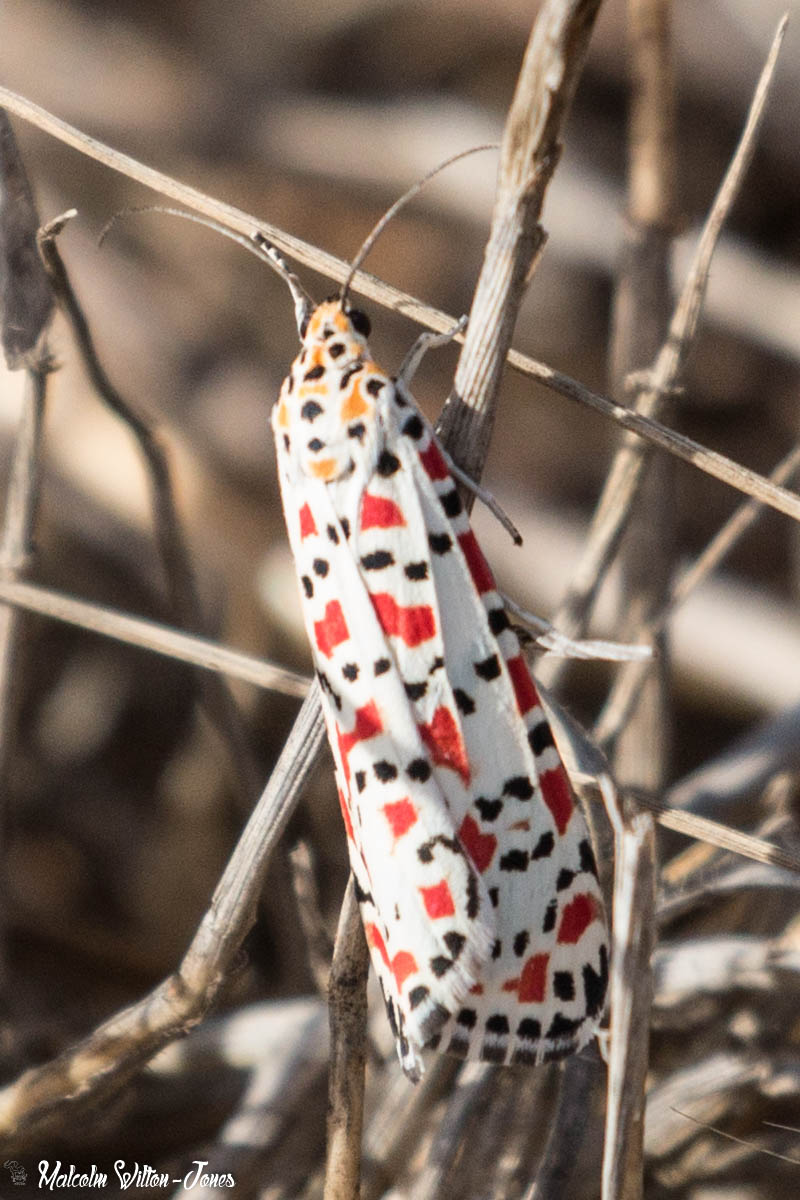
442	738
379	513
401	966
533	980
438	900
433	462
307	526
482	576
524	689
401	815
480	847
413	623
576	918
332	630
368	724
557	796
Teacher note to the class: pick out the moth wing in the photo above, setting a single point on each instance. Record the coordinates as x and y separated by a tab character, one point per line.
427	916
542	992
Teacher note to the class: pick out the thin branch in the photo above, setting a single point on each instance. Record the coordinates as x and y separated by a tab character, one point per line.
16	540
529	153
95	1069
347	1000
631	989
319	946
712	463
138	631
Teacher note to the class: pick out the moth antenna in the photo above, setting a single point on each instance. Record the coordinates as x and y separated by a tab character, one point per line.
255	243
378	229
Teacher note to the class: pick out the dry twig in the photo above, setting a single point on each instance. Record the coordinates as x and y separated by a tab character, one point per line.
709	461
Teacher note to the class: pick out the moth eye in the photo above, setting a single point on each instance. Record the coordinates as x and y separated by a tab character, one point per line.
360	321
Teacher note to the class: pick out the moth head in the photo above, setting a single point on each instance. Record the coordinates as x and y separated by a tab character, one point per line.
336	334
326	416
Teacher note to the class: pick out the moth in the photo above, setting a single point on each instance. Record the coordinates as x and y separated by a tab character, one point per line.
473	866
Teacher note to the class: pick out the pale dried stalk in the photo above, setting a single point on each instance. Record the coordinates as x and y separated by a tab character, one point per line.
709	461
15	547
347	1005
632	945
640	320
529	153
150	635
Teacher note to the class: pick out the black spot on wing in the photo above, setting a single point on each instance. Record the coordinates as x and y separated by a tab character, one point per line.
416	571
488	668
388	464
489	809
451	503
377	560
540	738
564	985
414	427
440	543
519	786
498	620
419	769
415	691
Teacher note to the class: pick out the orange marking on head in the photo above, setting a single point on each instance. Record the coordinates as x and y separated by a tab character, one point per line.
283	416
315	323
324	469
354	405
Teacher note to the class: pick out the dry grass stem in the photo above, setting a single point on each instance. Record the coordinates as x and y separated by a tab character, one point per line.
632	945
529	153
712	463
120	803
347	1003
319	946
149	635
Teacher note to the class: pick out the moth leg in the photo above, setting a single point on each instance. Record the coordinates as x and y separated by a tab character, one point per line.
425	342
480	493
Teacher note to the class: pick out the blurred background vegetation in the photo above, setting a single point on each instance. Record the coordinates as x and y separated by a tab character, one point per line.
122	801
